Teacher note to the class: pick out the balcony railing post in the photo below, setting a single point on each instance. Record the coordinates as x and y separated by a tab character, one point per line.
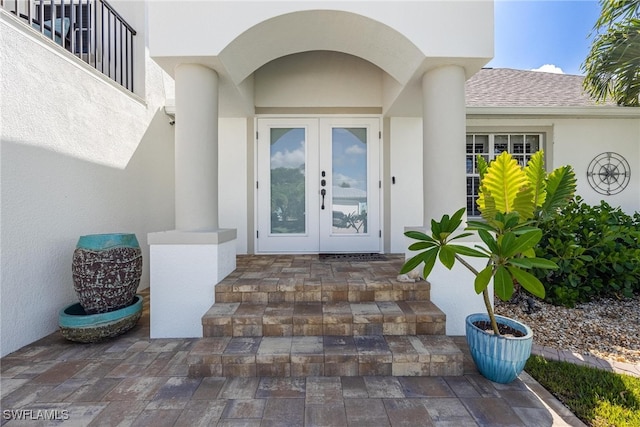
72	27
41	16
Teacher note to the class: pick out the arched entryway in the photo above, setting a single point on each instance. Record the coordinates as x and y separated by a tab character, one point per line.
220	59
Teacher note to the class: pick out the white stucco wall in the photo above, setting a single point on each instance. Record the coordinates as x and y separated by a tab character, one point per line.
233	176
437	28
578	141
318	79
79	156
404	39
406	166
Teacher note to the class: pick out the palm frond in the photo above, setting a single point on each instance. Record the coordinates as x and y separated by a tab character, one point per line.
612	68
614	10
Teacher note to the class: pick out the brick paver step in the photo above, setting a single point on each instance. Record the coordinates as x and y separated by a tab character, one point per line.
375	318
330	289
329	355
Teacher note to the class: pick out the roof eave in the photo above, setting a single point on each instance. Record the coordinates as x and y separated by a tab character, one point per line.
592	111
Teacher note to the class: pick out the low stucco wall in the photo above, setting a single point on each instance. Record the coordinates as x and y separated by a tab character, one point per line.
79	156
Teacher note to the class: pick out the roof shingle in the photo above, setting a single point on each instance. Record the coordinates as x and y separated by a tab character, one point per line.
505	87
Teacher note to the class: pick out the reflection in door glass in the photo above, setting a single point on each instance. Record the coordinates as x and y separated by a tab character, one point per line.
288	180
349	178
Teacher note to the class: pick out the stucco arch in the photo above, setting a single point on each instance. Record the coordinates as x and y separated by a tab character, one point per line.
321	30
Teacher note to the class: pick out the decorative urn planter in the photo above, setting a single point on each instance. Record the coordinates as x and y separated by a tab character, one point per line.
106	271
76	325
499	358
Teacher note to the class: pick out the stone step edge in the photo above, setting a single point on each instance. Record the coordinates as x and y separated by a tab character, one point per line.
343	319
325	356
261	292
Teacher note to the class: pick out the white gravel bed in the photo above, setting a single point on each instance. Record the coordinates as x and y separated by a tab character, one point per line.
608	329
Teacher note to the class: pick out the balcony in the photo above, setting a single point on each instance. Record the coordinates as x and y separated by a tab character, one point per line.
92	30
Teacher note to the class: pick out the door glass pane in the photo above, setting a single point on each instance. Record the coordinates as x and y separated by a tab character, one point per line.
288	167
349	178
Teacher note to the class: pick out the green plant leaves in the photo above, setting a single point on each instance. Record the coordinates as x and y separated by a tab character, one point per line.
415	261
502	283
529	263
527	281
483	278
488	240
429	260
511	200
561	186
516	245
467	251
482	166
417	235
503	184
447	256
611	67
421	245
536	175
596	250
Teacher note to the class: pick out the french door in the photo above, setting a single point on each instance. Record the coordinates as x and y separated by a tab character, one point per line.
318	185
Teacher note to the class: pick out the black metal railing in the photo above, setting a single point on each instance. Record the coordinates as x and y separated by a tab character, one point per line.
90	29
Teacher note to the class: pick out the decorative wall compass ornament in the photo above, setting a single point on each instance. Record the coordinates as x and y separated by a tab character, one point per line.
609	173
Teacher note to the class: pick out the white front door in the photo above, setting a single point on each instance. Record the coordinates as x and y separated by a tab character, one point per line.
318	185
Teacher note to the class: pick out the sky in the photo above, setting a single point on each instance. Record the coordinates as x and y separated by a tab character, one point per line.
551	33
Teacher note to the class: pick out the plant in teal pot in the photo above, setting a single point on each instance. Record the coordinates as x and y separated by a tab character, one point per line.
511	199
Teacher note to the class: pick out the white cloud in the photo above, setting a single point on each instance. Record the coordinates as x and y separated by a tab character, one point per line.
549	68
354	149
288	159
339	179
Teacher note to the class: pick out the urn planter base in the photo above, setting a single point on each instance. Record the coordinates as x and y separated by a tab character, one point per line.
498	358
76	325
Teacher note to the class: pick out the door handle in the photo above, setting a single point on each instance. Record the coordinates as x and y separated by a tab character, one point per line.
323	193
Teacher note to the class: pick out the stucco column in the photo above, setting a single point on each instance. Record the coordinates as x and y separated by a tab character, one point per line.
444	183
196	148
444	129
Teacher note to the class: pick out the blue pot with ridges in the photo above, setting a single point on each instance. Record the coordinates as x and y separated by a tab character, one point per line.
498	358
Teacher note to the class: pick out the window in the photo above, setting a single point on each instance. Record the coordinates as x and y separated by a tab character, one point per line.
489	145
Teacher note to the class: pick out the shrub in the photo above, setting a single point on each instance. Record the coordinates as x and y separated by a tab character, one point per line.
596	249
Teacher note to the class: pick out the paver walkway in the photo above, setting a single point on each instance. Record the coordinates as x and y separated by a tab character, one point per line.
550	353
133	380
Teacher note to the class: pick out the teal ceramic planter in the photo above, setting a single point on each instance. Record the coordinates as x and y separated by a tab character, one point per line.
76	325
101	242
106	271
498	358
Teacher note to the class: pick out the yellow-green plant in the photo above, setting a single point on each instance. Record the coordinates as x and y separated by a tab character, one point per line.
511	198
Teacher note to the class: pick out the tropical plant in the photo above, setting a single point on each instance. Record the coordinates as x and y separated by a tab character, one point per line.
510	199
612	67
